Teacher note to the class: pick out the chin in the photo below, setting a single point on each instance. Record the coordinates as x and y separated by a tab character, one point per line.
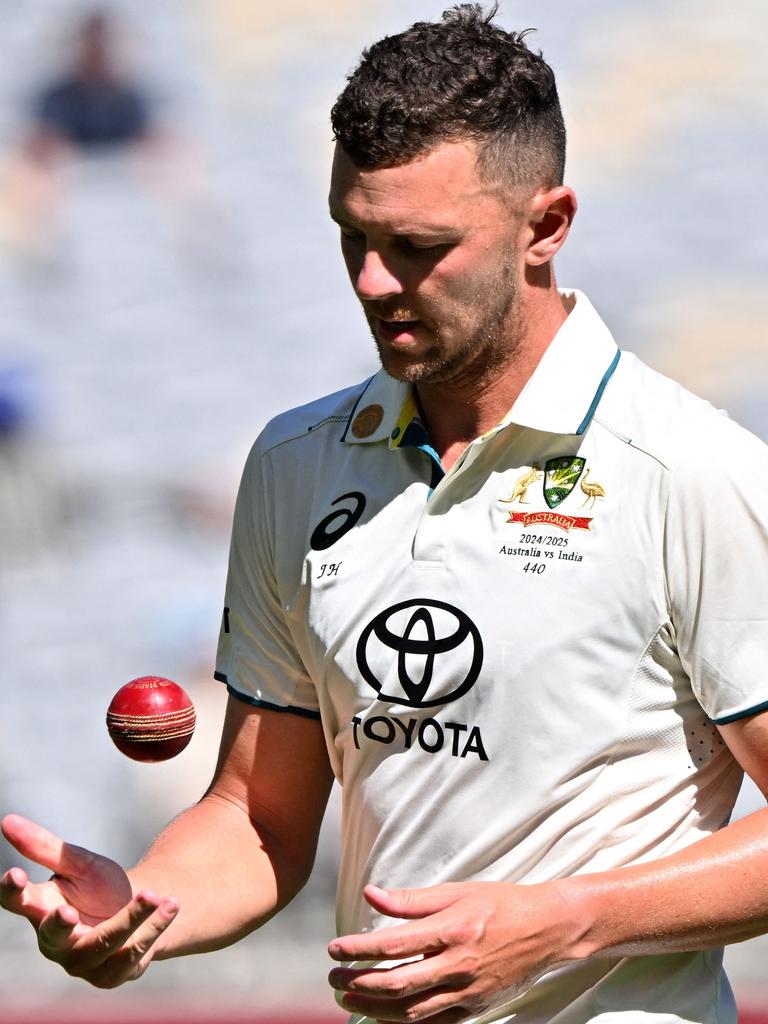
405	369
415	373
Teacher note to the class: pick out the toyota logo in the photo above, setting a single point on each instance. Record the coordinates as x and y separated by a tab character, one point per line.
420	653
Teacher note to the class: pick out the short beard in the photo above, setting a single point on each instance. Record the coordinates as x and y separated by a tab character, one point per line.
489	349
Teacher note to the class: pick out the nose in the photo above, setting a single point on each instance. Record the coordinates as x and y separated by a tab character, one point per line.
374	279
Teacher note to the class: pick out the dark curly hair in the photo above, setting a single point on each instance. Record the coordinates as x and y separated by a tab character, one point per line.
460	78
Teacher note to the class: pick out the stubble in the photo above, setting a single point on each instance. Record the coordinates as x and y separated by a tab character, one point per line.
479	352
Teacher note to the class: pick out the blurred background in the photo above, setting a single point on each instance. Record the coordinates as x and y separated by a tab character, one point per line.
169	280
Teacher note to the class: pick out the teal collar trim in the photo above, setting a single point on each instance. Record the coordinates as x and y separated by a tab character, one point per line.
415	436
571	375
598	394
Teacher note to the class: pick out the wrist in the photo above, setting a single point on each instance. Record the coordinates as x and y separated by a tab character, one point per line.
580	901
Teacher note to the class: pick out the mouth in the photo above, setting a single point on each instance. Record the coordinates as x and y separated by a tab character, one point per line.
397	332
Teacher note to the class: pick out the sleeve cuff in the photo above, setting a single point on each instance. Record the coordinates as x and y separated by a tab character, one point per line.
258	703
738	715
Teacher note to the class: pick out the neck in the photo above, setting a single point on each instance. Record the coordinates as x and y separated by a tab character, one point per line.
457	411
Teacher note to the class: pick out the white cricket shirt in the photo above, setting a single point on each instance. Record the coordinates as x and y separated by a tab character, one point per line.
517	665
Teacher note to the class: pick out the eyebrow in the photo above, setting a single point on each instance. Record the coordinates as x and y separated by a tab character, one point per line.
336	219
423	230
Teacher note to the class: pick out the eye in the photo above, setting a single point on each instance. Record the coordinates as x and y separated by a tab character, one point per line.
423	246
351	236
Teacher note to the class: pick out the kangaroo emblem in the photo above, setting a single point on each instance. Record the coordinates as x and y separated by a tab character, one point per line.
522	485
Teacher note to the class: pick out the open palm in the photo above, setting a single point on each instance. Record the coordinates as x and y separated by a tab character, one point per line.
86	915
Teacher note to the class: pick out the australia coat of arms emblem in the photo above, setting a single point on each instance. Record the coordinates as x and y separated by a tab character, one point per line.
560	477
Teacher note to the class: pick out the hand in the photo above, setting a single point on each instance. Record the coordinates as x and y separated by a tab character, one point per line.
86	916
481	943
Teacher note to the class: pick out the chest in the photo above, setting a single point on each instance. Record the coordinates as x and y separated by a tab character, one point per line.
519	594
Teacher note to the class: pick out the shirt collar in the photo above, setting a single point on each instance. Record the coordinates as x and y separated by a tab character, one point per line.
562	394
560	397
382	403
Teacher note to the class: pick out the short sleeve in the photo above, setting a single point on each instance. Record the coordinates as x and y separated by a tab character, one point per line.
716	556
256	656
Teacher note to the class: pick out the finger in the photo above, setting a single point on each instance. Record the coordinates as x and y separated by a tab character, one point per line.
130	962
105	939
425	1007
56	929
12	886
107	954
451	1016
43	847
20	896
401	981
398	943
412	903
150	931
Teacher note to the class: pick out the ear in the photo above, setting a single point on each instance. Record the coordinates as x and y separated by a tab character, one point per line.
549	222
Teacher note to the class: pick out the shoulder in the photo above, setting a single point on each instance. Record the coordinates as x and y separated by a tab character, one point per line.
322	419
682	432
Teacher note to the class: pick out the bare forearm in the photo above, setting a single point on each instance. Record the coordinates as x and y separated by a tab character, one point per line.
227	877
713	893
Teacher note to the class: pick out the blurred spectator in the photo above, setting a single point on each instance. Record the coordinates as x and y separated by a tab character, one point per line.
93	106
28	503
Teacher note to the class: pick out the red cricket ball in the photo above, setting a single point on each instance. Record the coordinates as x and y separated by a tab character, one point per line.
151	719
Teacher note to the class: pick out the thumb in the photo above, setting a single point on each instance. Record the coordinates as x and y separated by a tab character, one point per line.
412	903
43	847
